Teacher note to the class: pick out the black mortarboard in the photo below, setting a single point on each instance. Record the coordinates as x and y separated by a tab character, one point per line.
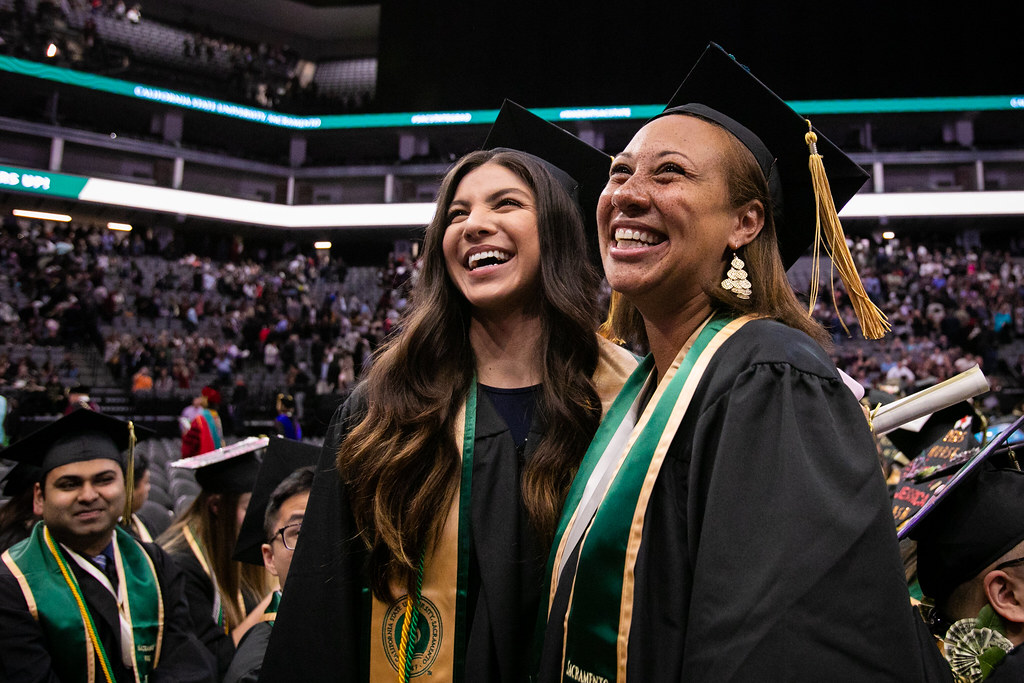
580	168
283	457
791	155
973	526
720	88
18	479
231	469
78	436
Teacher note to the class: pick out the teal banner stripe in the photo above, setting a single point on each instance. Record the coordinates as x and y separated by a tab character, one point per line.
14	179
469	117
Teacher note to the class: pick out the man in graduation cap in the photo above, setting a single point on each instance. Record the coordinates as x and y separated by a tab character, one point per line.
970	563
268	538
81	599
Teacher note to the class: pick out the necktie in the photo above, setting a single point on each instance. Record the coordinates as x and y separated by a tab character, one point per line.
108	568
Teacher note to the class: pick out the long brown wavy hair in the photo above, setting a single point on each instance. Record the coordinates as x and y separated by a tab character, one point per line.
772	295
217	534
401	463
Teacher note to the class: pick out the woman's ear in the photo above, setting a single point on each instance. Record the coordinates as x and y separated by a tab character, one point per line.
748	226
213	504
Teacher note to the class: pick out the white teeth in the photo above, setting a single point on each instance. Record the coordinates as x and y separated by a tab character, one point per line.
636	236
492	254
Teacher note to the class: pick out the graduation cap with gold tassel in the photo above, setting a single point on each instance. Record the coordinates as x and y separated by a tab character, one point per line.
77	437
809	178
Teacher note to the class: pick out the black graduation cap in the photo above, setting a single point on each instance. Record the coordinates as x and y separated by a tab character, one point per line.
18	479
78	436
283	457
580	168
721	89
973	526
231	469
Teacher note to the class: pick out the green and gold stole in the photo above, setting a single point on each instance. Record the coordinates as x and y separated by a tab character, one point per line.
439	641
597	620
54	597
270	613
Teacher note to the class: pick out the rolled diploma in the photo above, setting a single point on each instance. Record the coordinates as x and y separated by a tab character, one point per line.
967	384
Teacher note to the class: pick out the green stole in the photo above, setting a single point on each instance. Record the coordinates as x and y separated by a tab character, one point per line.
598	617
54	597
270	613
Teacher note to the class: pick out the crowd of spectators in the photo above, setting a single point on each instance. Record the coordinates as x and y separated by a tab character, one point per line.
164	327
260	73
166	323
952	304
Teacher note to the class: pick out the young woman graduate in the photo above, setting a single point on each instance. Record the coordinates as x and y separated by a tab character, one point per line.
730	521
437	510
224	595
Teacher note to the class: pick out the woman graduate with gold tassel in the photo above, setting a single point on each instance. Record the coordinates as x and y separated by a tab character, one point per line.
730	521
423	546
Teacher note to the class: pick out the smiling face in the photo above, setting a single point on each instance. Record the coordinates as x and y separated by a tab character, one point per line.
491	245
81	503
665	221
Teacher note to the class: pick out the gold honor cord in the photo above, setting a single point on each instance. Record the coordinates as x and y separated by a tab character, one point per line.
129	478
873	322
410	627
90	627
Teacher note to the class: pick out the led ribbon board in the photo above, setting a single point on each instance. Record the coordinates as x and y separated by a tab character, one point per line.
476	117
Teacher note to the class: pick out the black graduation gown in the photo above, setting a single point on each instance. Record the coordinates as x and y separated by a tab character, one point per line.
199	592
24	656
320	633
245	667
769	551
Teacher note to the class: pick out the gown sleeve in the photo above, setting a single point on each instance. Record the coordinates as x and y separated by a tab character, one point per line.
317	635
198	590
790	536
23	653
182	657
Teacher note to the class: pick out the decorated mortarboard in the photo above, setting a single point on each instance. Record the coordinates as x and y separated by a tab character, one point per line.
809	178
283	457
920	437
580	168
231	469
936	474
969	528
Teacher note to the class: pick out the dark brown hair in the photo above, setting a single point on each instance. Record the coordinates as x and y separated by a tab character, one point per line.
772	294
401	463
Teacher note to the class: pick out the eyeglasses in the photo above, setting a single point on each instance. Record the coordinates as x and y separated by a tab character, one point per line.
1009	563
289	535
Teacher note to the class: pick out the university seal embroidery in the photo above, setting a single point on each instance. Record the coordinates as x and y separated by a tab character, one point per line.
427	638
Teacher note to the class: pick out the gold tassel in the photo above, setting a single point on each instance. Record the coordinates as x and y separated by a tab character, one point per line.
129	478
607	328
873	322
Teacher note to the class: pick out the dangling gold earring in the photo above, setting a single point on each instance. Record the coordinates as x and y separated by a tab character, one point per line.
737	281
